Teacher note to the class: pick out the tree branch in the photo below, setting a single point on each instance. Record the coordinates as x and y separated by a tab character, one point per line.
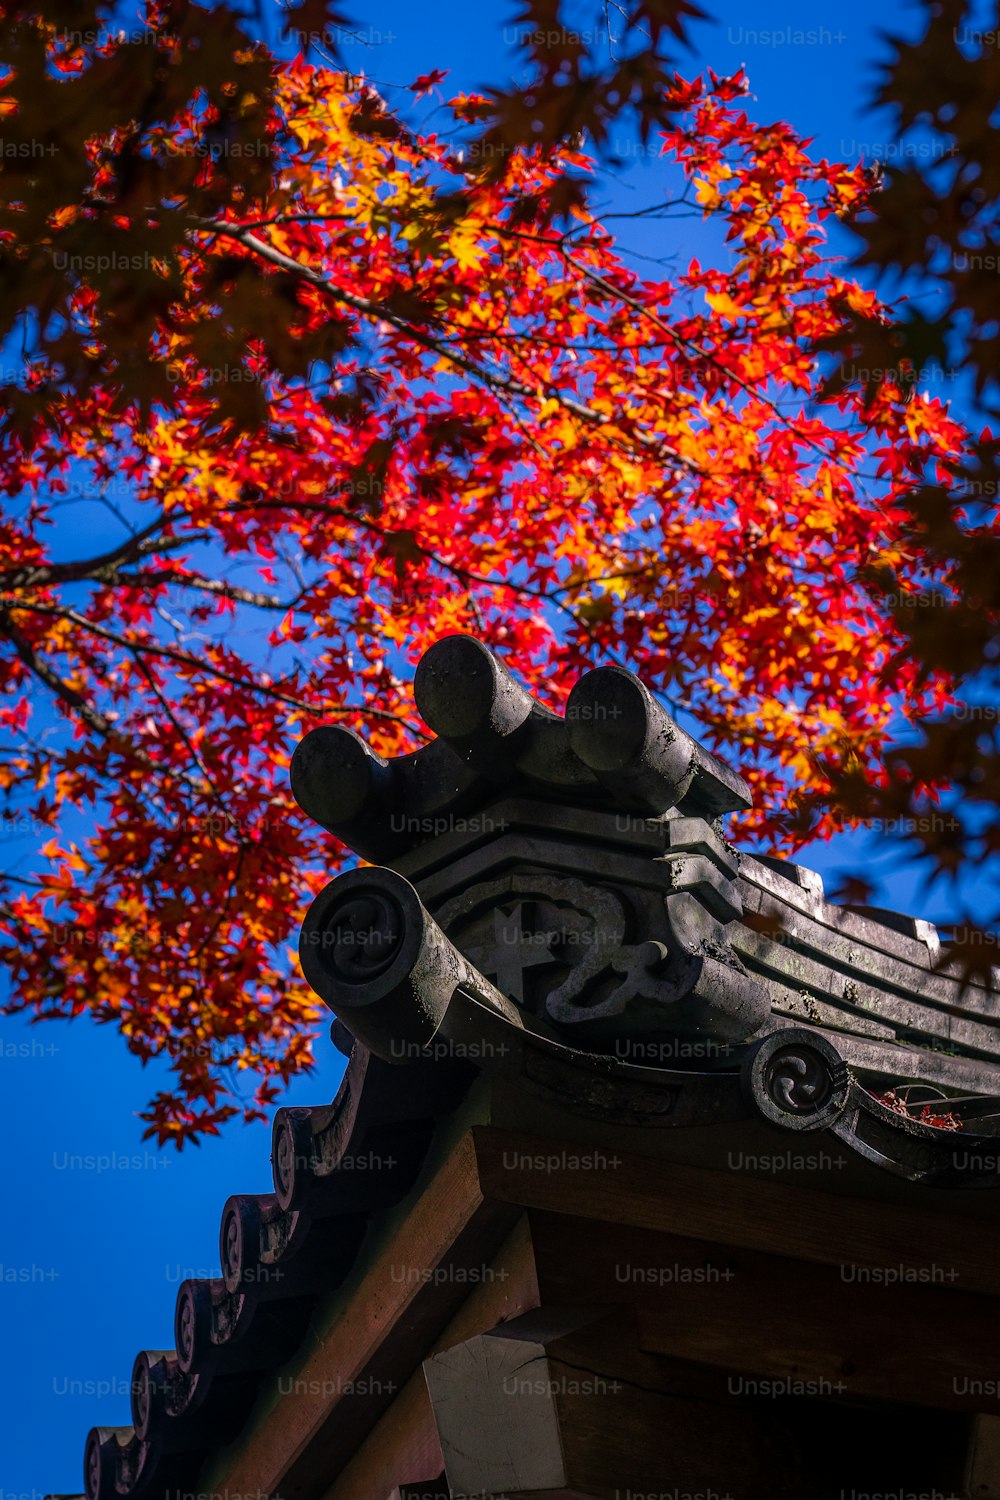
42	574
494	380
182	658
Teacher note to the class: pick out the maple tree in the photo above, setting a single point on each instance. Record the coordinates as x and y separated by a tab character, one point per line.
353	386
932	234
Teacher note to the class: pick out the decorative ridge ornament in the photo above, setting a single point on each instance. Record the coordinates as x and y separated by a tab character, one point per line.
615	747
571	874
603	931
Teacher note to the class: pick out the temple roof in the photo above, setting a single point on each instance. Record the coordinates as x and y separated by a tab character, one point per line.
668	933
558	918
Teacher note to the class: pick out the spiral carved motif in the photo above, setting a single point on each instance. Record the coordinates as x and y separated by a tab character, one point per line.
362	936
142	1395
92	1467
799	1081
185	1326
232	1249
796	1079
293	1157
283	1161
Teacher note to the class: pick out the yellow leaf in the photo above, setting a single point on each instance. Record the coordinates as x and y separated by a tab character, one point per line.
467	249
721	302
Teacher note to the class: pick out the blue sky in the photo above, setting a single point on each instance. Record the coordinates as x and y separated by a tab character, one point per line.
100	1227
